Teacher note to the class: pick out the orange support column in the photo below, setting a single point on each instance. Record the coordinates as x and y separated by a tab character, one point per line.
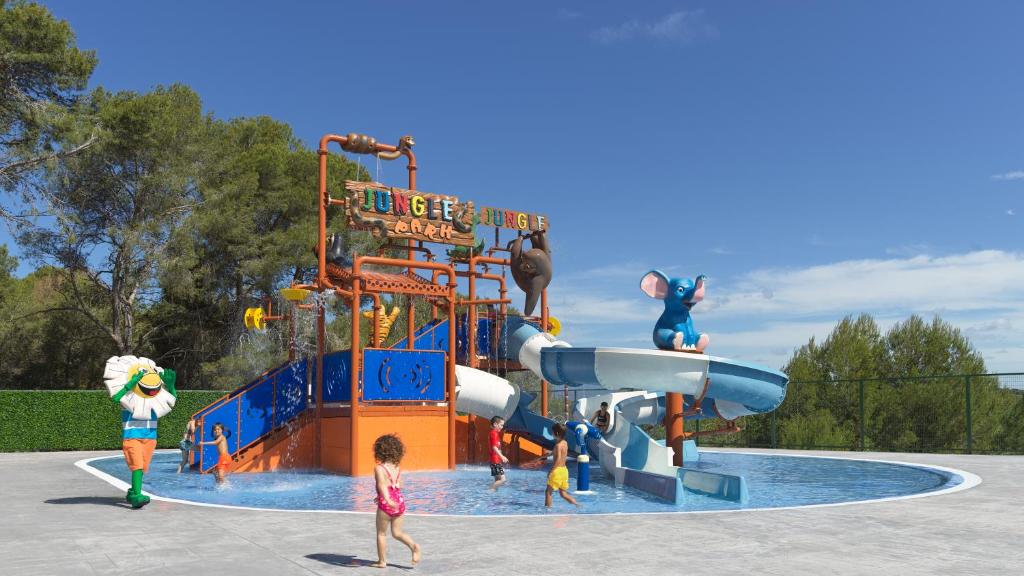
354	370
452	285
544	327
321	338
674	425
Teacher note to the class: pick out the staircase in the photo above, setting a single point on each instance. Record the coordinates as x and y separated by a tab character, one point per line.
256	415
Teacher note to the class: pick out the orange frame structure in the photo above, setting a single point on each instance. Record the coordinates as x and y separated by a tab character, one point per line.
353	285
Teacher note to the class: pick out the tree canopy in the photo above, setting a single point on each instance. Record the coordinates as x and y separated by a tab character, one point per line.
42	76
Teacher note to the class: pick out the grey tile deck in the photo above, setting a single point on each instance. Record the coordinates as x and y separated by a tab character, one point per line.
57	519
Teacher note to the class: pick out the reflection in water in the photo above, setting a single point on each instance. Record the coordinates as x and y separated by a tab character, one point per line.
772	480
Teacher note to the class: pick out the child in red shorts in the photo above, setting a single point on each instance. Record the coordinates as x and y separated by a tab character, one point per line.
497	458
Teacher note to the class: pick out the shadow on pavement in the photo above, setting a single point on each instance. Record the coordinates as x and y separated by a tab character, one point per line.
348	561
117	502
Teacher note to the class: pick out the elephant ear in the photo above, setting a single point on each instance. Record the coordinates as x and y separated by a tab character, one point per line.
655	284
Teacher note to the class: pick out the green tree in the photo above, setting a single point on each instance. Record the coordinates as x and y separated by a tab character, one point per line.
254	233
42	75
913	381
119	200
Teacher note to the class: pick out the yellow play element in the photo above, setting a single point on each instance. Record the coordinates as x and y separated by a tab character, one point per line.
554	326
254	319
384	322
294	294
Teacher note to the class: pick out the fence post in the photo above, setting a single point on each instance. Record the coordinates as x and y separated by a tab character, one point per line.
970	431
861	391
775	434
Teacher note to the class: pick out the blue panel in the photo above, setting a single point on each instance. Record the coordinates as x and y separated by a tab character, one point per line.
483	337
715	485
291	392
433	336
226	414
403	375
668	487
461	342
257	412
439	337
337	377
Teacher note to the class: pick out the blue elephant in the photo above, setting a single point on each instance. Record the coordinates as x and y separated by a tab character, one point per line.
674	330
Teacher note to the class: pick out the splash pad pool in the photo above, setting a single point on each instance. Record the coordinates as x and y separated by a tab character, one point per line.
776	481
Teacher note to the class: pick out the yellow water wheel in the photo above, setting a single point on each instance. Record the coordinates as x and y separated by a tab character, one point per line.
254	319
554	326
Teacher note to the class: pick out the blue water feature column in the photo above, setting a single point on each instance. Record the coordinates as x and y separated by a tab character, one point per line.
583	431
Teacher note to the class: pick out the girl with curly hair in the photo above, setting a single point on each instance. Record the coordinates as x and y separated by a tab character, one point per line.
388	451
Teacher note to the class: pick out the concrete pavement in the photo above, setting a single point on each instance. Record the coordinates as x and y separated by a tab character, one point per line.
56	519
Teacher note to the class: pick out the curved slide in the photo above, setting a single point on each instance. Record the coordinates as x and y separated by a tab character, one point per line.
733	389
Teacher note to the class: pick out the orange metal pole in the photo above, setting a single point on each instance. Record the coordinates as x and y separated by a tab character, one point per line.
452	285
471	318
674	425
544	327
354	381
321	342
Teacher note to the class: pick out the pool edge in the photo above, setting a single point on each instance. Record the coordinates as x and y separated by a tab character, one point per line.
970	480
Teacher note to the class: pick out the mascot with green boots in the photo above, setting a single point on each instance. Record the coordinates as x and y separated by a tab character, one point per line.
146	393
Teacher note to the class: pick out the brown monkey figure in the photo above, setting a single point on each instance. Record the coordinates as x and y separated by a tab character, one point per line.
531	269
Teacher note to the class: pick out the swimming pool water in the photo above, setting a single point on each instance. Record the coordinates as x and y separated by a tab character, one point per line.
773	481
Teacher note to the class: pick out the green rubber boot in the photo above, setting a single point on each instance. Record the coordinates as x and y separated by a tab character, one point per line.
135	496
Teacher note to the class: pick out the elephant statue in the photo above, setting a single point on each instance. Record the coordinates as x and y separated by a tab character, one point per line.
674	330
531	269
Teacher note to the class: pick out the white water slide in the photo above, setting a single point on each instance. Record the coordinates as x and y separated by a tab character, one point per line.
636	381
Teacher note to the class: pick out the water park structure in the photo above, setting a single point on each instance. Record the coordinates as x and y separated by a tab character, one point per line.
438	387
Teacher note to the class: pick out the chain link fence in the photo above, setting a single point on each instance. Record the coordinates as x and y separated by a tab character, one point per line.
970	414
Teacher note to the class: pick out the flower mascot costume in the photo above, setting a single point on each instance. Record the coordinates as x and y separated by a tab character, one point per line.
146	393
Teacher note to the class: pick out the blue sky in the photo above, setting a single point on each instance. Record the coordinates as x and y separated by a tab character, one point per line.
813	159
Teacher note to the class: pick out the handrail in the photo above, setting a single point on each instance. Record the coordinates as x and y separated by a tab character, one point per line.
430	326
268	378
243	388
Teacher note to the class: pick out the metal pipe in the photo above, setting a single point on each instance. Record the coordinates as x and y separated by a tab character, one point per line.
471	322
452	286
354	379
544	327
674	425
321	338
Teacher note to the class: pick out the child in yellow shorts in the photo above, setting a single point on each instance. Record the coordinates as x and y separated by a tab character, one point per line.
558	478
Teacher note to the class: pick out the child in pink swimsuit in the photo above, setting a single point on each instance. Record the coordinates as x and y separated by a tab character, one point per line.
388	451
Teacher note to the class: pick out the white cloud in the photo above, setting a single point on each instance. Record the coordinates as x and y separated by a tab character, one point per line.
566	14
1010	212
984	280
680	26
721	251
764	315
1015	175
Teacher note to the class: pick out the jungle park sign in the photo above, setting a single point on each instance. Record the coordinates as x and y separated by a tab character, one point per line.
410	214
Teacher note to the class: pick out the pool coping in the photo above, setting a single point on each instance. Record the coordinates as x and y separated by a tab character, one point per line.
970	480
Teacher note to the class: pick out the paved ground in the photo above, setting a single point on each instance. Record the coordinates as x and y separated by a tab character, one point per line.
56	519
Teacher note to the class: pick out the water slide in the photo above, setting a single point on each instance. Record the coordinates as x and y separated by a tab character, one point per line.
636	380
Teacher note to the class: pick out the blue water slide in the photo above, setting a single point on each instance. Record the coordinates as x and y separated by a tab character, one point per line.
727	389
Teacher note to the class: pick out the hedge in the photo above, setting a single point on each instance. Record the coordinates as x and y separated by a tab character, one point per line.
48	420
